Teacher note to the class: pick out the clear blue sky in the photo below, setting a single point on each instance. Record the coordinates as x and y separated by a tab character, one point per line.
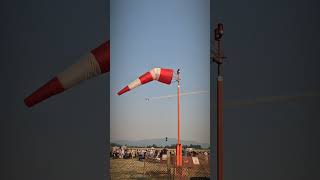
171	34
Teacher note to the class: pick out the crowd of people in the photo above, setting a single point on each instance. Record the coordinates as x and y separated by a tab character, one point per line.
151	153
140	153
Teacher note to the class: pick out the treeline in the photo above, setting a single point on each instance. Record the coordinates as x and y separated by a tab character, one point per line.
115	144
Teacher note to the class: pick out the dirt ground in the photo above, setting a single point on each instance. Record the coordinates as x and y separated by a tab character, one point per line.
135	169
126	169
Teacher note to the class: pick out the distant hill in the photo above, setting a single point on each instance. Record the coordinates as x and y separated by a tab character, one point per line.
158	142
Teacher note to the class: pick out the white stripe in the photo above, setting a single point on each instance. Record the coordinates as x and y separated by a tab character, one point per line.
156	72
134	84
153	73
86	68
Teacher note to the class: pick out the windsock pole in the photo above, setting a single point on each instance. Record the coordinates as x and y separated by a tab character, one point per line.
179	147
218	58
220	123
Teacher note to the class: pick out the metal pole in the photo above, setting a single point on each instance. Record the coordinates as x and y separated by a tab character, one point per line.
219	116
179	148
178	110
219	126
218	33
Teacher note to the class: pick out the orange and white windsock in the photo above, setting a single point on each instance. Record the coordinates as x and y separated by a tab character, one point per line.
93	64
159	74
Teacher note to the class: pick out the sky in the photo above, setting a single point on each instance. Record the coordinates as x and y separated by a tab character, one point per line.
169	34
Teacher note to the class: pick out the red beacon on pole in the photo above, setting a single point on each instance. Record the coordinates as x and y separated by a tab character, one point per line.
218	32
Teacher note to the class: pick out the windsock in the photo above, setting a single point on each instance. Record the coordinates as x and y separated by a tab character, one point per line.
160	74
93	64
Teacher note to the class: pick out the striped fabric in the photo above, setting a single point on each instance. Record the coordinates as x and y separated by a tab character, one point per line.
95	63
159	74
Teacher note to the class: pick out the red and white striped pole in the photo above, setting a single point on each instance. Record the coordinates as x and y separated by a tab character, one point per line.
95	63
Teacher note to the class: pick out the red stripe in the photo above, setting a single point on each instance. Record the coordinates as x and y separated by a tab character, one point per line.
51	88
102	55
145	78
125	89
166	75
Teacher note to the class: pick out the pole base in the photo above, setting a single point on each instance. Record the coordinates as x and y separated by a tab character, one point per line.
178	155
